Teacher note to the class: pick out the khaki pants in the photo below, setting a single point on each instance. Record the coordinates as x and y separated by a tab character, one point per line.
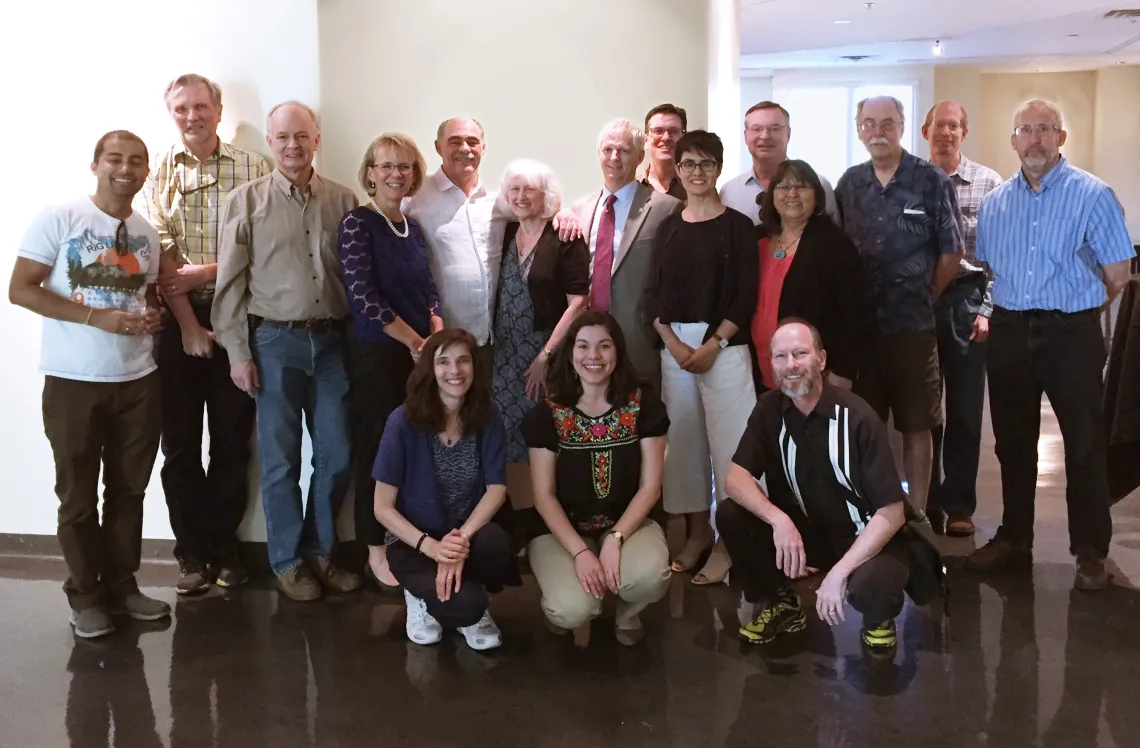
116	426
644	577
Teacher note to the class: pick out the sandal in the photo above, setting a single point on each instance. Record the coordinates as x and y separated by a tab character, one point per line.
692	556
715	570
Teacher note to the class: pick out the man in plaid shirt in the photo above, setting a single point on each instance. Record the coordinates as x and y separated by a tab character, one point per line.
183	196
962	319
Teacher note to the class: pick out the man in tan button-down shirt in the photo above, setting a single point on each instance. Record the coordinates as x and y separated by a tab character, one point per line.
183	199
278	311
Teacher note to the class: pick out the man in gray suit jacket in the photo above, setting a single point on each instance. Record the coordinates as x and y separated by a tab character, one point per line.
620	224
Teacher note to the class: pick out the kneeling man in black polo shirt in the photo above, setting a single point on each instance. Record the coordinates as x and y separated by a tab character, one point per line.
835	502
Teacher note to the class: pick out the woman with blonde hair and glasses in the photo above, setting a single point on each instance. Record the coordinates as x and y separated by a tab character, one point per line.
395	307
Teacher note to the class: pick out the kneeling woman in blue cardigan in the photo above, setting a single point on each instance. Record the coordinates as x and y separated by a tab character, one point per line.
440	478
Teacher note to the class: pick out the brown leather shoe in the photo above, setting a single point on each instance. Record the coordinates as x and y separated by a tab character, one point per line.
1091	574
335	578
298	584
960	527
999	554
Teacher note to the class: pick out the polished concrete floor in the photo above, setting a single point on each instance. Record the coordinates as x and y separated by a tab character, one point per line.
1018	660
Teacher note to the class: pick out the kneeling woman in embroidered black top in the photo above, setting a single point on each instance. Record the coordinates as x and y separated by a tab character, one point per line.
597	447
440	478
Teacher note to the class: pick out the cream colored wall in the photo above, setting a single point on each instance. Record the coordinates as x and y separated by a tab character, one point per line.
1116	142
542	77
1101	109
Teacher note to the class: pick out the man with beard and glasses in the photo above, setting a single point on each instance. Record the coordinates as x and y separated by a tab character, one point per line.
902	213
834	502
1055	238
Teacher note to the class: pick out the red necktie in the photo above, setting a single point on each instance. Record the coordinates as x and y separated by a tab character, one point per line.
603	259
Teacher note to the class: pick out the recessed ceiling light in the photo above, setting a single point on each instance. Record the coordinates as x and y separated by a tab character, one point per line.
868	6
841	21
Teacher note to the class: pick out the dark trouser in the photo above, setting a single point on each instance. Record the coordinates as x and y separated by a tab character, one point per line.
876	589
378	376
206	506
1060	355
488	568
957	445
116	425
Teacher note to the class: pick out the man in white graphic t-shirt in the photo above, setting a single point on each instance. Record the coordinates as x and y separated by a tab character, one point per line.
89	268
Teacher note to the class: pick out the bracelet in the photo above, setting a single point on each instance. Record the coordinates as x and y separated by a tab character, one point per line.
90	311
421	542
579	553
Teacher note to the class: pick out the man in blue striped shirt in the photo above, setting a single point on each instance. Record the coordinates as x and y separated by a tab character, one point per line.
1054	237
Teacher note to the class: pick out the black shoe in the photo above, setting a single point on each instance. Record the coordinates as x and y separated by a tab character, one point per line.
386	589
192	578
231	571
784	615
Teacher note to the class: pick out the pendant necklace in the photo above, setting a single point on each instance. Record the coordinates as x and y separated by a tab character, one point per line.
388	220
782	252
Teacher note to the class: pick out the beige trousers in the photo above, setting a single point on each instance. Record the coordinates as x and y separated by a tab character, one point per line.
644	577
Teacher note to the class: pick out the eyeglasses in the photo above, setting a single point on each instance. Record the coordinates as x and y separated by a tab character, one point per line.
789	186
1024	131
388	167
122	240
951	125
674	132
770	129
688	165
870	125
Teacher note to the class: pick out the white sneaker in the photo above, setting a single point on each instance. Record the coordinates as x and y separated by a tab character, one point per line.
484	634
421	627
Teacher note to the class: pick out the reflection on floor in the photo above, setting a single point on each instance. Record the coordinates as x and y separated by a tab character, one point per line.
1018	660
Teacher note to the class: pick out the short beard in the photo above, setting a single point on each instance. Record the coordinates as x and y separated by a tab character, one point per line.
803	386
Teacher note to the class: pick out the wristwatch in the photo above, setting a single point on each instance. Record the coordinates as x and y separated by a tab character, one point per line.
720	341
618	537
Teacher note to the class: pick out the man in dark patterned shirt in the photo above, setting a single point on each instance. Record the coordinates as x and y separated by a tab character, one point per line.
902	214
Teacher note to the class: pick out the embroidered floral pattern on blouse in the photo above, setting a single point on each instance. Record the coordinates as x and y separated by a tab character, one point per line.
603	472
579	431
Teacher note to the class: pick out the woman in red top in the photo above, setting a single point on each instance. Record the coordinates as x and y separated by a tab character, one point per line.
811	270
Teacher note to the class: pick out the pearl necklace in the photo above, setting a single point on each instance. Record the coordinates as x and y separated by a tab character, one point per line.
388	220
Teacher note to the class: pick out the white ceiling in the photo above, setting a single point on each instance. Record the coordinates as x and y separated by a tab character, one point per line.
1007	35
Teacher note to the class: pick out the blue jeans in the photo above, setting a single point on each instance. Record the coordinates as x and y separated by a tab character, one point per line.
954	474
301	372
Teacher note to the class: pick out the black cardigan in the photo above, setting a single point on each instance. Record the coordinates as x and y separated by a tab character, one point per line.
827	285
559	269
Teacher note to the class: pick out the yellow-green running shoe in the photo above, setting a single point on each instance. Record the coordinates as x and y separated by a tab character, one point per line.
783	615
880	637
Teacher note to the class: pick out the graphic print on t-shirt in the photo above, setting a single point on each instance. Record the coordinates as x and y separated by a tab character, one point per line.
102	277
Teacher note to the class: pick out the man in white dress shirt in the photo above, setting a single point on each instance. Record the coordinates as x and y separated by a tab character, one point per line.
767	130
464	233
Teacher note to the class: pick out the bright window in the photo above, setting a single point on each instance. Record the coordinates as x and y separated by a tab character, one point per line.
823	123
